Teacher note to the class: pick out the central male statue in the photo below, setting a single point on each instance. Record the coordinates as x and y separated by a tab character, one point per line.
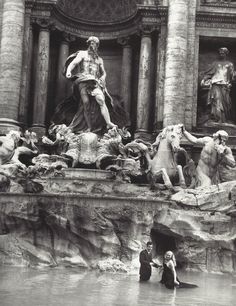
87	71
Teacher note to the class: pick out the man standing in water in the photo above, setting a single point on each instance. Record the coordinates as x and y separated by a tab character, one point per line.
146	263
88	74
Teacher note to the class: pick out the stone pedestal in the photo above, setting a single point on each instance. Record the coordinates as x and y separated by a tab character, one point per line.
41	82
143	103
176	59
11	61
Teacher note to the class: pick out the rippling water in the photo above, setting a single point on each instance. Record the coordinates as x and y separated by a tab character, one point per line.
70	286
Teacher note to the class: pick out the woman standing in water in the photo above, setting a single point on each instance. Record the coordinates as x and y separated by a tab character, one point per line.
169	275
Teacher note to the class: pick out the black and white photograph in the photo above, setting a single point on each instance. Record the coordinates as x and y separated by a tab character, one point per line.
117	152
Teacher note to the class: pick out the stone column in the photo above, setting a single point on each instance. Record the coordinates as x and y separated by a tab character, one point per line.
11	63
126	73
143	101
195	81
41	79
176	59
26	69
160	77
63	54
1	11
191	95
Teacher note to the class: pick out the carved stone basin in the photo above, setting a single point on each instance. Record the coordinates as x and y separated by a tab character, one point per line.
88	174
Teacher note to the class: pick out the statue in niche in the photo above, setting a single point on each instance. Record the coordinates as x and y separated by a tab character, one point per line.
218	81
215	154
91	108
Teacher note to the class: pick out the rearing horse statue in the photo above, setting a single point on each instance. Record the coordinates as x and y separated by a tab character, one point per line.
164	164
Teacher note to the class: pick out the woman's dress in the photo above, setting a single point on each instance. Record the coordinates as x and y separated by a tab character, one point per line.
168	280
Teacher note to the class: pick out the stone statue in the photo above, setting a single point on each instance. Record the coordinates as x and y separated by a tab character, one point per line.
111	147
8	145
10	148
162	163
215	153
218	80
77	149
87	71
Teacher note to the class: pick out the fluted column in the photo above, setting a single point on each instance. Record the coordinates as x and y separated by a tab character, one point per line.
41	79
143	102
11	51
176	59
126	73
63	54
26	69
160	77
1	12
191	80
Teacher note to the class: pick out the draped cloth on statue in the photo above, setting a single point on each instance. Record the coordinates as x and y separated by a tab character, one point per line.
71	110
218	79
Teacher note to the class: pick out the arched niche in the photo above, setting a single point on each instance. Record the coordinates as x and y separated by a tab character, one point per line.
98	11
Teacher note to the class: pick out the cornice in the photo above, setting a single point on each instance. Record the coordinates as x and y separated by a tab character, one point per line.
163	13
218	5
216	20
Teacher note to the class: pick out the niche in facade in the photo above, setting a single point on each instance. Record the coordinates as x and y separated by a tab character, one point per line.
216	82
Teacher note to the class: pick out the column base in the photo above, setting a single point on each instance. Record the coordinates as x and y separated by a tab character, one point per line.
7	125
40	130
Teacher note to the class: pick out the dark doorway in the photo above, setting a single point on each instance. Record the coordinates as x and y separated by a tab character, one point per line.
162	242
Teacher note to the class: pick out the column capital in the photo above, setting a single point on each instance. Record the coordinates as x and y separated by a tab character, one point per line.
44	24
67	37
29	4
147	29
124	41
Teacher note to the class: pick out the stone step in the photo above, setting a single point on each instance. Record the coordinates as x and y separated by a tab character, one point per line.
93	174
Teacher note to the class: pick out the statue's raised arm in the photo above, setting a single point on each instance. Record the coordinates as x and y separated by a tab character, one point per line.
214	153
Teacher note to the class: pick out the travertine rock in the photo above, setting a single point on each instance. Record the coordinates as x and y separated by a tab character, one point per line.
108	232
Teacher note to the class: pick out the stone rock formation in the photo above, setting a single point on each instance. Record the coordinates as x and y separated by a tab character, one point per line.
107	231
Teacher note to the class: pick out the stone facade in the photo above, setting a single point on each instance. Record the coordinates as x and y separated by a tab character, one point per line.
154	53
169	38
